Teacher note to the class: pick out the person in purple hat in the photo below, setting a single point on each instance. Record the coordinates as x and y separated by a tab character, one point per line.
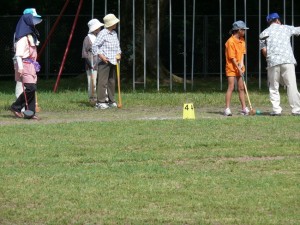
25	45
275	44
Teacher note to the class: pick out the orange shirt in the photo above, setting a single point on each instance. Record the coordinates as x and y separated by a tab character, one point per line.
234	49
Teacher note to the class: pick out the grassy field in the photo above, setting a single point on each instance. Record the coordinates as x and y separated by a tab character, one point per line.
143	164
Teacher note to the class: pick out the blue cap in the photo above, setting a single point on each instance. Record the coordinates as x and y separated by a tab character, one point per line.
31	11
272	16
239	25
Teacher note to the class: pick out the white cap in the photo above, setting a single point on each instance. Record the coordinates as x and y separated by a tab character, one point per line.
31	11
94	24
110	20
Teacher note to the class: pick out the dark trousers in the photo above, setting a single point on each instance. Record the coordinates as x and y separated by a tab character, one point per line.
20	102
106	79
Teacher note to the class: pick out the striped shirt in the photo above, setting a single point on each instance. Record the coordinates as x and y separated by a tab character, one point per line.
107	44
277	39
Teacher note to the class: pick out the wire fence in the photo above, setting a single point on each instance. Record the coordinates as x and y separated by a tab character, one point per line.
206	51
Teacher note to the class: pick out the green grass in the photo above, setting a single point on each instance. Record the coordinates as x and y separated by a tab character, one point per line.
71	95
212	170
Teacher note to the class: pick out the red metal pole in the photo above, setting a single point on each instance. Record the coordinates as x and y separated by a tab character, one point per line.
68	45
53	28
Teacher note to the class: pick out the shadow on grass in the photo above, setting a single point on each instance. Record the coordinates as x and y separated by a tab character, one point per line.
84	103
216	112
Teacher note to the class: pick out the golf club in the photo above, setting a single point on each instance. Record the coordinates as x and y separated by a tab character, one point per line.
28	114
92	78
92	84
37	108
119	86
252	111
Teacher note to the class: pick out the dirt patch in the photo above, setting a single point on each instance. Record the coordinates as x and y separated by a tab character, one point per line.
136	113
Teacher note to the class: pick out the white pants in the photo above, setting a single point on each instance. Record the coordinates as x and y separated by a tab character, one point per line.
19	89
283	74
92	85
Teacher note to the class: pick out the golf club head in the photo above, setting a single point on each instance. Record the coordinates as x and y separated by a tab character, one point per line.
28	114
252	112
37	108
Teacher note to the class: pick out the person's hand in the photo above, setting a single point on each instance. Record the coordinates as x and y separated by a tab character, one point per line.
103	58
118	57
240	68
240	65
241	73
88	63
96	63
21	72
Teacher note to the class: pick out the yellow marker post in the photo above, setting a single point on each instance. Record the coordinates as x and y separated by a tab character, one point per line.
188	111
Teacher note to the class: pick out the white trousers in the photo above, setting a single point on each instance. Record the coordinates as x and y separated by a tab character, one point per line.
283	74
92	85
19	89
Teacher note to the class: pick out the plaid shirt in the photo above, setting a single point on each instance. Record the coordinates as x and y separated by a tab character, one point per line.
278	43
107	44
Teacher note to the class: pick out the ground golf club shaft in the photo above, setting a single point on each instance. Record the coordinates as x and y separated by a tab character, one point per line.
92	78
37	108
119	86
252	111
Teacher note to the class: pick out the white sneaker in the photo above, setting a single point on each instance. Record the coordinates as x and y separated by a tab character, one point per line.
296	113
101	106
275	113
112	105
227	112
245	111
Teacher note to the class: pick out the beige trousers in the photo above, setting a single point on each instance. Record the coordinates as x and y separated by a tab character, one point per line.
283	74
19	89
106	82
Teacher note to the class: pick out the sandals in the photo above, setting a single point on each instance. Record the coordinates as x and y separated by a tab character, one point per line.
35	118
17	114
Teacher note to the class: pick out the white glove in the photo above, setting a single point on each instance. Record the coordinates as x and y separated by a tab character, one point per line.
19	62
